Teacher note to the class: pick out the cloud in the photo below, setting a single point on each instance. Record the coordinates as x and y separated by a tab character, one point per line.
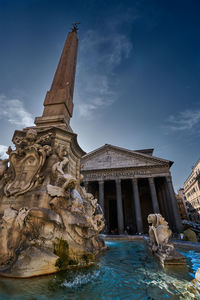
109	48
97	82
3	154
184	120
14	111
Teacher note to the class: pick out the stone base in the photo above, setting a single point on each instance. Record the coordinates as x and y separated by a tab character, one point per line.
58	121
32	262
167	255
48	222
175	259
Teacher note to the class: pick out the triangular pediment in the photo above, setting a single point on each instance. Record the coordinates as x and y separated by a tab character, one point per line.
111	157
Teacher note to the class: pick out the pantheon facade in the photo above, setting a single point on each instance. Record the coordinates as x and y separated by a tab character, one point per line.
130	185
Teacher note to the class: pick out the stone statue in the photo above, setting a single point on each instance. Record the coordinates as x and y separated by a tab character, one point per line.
159	234
75	27
159	231
49	222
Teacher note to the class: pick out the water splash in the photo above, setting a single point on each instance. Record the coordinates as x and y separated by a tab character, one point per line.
81	280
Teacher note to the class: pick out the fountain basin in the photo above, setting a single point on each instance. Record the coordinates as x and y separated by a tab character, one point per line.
125	271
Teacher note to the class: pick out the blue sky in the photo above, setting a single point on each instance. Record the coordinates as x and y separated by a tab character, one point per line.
138	72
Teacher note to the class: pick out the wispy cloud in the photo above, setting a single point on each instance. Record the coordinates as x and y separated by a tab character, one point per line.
99	56
184	120
3	150
108	49
14	111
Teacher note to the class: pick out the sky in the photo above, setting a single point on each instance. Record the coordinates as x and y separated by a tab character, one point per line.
137	77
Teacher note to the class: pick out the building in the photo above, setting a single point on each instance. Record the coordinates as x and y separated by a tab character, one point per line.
181	200
130	185
192	194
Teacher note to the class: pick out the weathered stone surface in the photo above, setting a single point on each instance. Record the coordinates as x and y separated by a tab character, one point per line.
197	275
159	234
44	205
39	261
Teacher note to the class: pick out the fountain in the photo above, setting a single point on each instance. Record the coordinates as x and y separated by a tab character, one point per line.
159	234
48	221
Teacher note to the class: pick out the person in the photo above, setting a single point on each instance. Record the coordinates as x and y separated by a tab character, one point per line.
189	234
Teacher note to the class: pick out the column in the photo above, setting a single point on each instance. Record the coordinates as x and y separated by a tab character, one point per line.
86	186
101	194
120	215
163	203
154	198
174	205
137	205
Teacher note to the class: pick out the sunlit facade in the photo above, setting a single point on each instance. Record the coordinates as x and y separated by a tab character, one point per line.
192	194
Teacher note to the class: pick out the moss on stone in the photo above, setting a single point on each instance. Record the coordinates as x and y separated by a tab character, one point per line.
61	249
88	257
73	262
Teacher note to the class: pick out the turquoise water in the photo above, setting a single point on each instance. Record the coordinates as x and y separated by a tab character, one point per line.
125	271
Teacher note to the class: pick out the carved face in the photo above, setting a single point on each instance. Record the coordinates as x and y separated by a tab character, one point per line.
31	135
151	219
81	177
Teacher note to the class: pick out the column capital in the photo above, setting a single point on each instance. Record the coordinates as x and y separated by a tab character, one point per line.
118	180
135	180
151	180
101	181
168	178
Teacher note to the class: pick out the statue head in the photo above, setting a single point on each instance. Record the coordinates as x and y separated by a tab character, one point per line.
81	178
156	220
31	135
151	219
70	184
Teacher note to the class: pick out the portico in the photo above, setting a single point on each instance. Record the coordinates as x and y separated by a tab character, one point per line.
129	186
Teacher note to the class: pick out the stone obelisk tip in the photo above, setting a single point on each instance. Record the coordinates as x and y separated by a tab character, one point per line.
58	103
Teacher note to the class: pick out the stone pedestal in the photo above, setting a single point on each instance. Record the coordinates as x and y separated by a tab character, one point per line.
174	258
41	197
61	142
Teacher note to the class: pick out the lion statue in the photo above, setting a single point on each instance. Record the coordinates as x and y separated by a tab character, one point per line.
159	232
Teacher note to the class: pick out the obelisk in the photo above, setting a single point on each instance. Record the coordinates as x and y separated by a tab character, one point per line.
43	206
58	103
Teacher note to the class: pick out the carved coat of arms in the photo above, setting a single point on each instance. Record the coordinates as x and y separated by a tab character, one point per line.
26	163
